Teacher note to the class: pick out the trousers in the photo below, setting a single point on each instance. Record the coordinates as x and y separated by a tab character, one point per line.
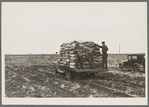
91	59
79	59
104	60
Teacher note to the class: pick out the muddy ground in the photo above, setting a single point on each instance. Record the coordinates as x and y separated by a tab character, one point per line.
39	81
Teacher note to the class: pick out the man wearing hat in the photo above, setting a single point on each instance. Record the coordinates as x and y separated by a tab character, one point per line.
89	55
104	55
79	57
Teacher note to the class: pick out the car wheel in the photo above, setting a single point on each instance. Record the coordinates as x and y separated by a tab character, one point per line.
136	68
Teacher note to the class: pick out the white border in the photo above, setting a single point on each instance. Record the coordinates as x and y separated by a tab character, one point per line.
71	101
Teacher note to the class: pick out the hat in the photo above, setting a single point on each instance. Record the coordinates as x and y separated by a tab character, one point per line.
103	41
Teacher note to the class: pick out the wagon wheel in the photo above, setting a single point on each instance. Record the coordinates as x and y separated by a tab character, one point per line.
136	68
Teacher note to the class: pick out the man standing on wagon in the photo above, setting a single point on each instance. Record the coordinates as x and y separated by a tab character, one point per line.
79	57
104	55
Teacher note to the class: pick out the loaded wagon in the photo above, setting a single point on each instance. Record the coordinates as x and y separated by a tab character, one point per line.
67	59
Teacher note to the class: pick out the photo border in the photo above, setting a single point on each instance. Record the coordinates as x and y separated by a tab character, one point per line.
70	1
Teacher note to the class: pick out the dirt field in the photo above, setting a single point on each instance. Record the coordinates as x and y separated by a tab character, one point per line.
32	76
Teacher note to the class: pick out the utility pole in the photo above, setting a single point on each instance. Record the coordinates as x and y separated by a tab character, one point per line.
119	49
119	52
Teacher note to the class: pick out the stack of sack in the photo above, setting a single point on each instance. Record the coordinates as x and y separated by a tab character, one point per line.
68	55
97	57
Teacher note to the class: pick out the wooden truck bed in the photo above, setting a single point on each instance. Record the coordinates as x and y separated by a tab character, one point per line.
81	70
91	70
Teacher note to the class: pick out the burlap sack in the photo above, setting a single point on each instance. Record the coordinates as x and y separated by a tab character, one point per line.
98	62
97	59
86	62
62	64
72	60
71	52
67	60
97	52
72	66
69	46
66	52
72	55
70	49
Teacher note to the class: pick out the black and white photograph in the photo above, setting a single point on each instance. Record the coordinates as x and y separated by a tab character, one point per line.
74	53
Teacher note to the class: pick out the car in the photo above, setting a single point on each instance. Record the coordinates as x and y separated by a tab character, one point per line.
135	62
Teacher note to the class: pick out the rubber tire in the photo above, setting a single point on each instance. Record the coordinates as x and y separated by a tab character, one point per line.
136	68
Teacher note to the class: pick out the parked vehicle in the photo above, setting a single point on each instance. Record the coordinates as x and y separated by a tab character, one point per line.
135	62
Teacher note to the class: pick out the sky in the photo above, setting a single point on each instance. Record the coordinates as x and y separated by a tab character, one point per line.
41	27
